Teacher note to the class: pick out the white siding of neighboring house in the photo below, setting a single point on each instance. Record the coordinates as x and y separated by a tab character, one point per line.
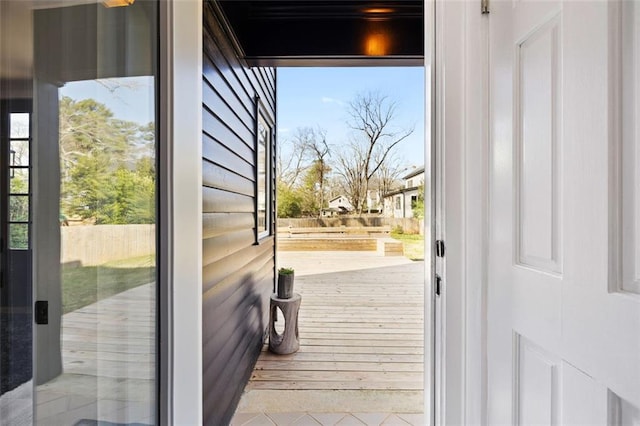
340	201
399	205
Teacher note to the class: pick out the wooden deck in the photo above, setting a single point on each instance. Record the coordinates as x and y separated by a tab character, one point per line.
361	335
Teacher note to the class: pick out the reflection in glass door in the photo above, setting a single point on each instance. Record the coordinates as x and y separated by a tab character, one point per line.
15	265
78	193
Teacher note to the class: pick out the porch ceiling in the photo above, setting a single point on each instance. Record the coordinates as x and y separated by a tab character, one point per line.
327	32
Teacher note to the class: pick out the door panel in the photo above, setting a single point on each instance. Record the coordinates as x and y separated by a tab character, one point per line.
562	317
78	212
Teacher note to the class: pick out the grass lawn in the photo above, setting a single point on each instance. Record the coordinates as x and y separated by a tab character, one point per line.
84	285
413	245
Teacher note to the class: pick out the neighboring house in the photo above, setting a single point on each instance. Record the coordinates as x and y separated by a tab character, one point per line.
373	204
337	206
400	203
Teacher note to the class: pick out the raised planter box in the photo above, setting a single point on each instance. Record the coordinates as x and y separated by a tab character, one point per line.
327	244
389	247
290	232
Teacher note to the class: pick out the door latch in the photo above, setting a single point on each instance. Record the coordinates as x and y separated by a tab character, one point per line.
438	285
42	312
440	248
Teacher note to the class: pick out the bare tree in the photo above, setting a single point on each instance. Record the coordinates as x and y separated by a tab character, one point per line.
372	116
319	149
388	174
303	166
292	158
350	168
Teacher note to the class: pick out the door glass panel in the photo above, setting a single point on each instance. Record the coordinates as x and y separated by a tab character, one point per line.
19	208
19	180
19	153
19	125
18	236
78	128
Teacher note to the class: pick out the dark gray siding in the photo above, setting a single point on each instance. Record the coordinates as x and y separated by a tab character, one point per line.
238	274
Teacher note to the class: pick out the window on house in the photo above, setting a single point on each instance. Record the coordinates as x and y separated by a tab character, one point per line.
398	203
414	201
409	183
263	193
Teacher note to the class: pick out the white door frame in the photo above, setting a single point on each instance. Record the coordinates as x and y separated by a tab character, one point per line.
181	203
460	166
457	99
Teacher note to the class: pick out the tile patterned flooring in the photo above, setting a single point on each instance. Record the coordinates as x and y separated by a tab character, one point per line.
328	419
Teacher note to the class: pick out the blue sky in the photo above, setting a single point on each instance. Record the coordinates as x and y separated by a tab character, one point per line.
306	97
319	96
131	98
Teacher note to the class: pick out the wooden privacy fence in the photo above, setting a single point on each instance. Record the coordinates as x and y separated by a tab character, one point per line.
96	244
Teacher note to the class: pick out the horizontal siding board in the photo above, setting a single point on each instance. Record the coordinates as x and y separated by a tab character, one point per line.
246	77
219	154
217	49
260	87
224	245
250	293
219	201
214	79
214	224
268	78
226	115
256	281
263	94
242	343
221	398
247	317
223	56
214	176
219	278
214	127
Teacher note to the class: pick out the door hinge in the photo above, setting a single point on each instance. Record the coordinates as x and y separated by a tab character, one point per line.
484	6
440	248
438	286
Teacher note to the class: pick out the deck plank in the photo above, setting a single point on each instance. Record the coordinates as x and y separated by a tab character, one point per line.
361	327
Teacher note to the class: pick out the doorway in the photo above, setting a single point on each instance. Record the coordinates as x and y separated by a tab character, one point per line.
362	313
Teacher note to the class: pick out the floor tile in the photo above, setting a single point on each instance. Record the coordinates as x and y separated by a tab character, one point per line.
371	419
394	420
260	420
284	419
414	419
306	420
327	419
241	418
349	420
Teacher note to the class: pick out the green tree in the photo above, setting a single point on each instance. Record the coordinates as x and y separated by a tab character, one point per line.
289	202
19	211
312	188
107	165
418	205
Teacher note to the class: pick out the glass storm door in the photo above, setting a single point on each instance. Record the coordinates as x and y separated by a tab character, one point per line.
78	294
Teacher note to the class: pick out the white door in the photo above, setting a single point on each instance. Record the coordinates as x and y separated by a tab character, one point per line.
564	239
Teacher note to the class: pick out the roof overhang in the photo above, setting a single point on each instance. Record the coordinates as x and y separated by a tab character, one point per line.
326	32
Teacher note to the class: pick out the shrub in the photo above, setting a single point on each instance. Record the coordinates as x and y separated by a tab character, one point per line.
397	230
